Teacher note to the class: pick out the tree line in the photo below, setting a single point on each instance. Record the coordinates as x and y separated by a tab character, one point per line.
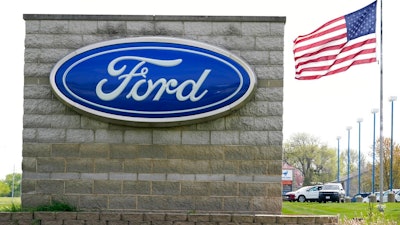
318	163
11	185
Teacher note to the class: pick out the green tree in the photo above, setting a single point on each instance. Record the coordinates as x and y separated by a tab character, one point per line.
4	189
14	183
314	160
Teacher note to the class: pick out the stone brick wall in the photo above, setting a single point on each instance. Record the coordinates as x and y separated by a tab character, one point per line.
77	218
230	164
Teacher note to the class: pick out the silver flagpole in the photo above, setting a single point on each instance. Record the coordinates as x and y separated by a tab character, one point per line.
381	113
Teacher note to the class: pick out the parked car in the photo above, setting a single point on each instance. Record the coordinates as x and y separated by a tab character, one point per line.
364	197
307	193
333	192
385	194
397	197
291	196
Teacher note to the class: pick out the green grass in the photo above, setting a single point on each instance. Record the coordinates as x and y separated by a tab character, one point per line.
10	204
7	201
344	210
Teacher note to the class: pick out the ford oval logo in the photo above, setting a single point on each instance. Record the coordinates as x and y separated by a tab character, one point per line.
153	81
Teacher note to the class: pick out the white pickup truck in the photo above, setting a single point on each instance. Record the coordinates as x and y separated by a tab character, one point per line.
304	194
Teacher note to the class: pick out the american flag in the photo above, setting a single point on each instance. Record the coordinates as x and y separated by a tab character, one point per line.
337	45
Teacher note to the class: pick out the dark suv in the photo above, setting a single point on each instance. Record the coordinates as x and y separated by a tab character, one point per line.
333	192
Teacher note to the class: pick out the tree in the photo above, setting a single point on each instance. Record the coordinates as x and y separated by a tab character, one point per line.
4	189
314	160
386	163
13	181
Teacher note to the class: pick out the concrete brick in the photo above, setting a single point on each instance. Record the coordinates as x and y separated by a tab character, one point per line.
276	57
167	166
198	166
64	176
171	28
38	70
224	137
252	189
80	165
195	188
240	122
256	29
217	124
144	136
52	55
122	176
240	152
50	187
107	187
253	167
165	188
50	165
88	216
36	149
94	176
167	137
93	202
65	150
53	27
89	123
140	27
223	189
108	136
111	27
32	26
152	177
122	203
106	166
29	164
254	138
94	150
180	177
269	43
37	92
133	217
181	203
197	28
227	28
82	27
43	106
138	166
136	187
196	137
275	138
79	136
29	135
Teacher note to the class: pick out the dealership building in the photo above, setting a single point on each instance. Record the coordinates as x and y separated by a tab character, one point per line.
153	113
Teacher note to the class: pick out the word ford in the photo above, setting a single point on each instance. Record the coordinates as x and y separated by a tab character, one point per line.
165	86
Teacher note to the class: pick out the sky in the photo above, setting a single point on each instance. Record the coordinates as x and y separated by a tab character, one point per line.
323	108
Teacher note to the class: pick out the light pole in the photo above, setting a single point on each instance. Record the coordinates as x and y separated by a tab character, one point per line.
391	99
338	158
348	161
374	111
359	120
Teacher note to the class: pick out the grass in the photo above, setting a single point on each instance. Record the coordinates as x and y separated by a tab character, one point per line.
8	202
344	210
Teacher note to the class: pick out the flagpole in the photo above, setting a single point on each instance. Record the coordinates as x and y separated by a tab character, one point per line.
381	111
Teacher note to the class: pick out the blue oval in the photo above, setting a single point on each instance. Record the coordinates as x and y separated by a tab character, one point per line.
153	80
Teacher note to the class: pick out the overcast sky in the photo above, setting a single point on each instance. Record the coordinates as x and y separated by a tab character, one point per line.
323	108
